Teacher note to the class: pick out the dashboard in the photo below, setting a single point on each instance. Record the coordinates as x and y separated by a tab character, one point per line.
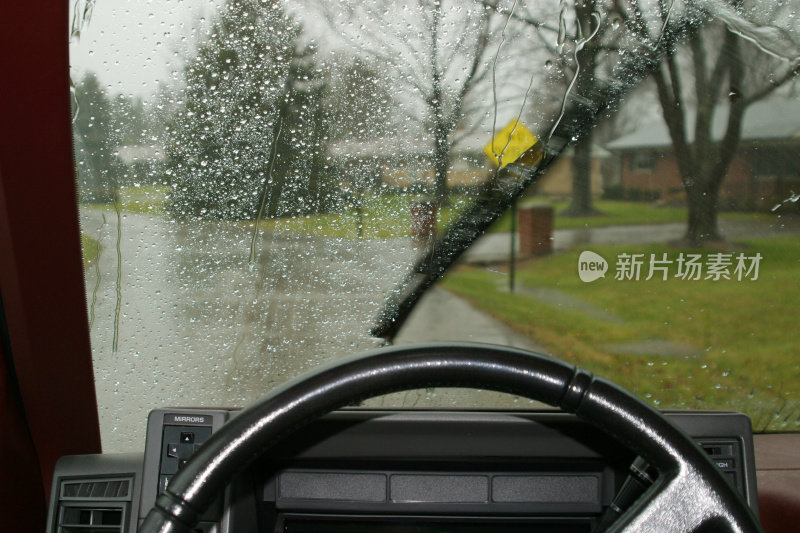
356	471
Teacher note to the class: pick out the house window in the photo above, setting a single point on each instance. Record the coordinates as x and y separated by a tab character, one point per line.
770	163
643	162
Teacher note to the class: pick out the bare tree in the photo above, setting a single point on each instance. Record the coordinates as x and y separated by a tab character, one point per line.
358	99
714	60
435	52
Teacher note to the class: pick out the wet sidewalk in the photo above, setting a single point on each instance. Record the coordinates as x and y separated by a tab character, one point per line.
443	316
495	247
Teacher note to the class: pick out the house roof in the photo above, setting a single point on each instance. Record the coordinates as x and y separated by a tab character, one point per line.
139	153
399	146
396	146
598	152
768	120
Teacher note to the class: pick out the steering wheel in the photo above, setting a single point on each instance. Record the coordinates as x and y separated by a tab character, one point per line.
689	493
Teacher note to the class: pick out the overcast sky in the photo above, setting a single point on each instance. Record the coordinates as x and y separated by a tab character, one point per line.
132	45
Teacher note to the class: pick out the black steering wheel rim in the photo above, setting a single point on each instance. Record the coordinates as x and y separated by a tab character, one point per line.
690	493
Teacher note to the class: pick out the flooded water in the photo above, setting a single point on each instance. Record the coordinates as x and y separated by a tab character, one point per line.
199	325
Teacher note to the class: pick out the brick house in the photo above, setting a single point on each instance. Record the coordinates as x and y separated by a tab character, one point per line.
402	163
765	170
557	181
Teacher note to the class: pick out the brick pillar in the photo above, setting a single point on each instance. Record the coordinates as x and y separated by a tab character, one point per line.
535	229
423	220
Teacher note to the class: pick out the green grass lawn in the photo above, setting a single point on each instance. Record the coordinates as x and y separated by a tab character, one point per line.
615	213
382	216
90	249
744	332
144	199
388	216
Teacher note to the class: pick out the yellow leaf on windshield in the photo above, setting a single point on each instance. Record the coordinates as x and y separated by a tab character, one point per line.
511	143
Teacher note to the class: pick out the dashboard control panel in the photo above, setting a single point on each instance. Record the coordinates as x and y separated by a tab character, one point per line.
173	435
179	442
393	471
545	467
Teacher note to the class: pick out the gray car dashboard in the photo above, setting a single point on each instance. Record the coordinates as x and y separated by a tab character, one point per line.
390	472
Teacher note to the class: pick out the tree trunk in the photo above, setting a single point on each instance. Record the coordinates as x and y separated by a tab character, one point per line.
441	163
703	209
581	204
441	148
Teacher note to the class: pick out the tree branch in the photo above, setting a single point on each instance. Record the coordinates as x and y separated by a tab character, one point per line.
494	6
673	116
768	89
635	22
715	80
547	43
480	49
675	80
705	99
733	131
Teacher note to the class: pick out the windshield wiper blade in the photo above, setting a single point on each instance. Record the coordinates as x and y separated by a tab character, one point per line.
509	184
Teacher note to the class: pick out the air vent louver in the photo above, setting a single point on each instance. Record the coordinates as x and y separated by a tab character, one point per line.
95	489
99	505
86	519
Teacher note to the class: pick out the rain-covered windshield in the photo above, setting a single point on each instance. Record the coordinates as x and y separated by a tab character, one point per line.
268	185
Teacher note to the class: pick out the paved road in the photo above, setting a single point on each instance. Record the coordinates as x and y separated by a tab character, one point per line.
442	316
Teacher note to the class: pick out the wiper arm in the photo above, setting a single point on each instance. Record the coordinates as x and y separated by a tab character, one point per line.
510	183
495	197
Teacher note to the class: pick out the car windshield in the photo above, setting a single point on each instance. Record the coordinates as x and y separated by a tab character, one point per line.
265	186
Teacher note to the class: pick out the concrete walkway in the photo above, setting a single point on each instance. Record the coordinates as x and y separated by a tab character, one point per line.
443	316
495	247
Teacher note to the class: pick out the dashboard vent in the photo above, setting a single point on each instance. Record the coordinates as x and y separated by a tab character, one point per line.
96	489
99	505
91	519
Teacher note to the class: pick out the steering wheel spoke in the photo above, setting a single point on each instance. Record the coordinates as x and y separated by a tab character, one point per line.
682	503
